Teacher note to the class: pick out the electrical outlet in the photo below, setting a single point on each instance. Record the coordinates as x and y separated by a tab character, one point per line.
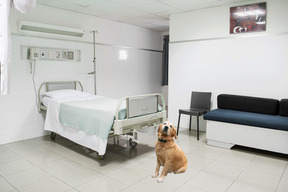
43	54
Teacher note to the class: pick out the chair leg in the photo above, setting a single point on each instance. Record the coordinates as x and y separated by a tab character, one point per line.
190	122
178	123
198	128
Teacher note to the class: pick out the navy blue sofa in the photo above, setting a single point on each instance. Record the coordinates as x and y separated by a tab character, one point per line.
250	111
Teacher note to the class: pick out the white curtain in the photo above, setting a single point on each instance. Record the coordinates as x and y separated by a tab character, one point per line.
24	6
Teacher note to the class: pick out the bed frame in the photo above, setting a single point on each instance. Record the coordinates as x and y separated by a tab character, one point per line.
141	110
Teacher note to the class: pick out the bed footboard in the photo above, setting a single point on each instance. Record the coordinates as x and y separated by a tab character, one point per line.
142	111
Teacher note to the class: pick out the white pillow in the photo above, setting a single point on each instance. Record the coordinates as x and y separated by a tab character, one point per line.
64	93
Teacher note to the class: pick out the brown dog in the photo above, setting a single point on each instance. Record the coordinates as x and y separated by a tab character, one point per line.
169	154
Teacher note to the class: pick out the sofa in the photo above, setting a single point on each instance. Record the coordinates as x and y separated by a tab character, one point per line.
255	122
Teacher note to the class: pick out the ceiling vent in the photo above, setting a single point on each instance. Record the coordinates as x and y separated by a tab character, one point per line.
40	28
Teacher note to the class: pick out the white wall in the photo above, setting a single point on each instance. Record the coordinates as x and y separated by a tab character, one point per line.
205	57
139	74
165	93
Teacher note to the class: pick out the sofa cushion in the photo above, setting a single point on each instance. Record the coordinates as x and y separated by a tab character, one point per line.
247	118
283	107
248	104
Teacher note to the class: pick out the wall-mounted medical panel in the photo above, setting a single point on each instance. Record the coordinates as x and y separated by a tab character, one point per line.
53	54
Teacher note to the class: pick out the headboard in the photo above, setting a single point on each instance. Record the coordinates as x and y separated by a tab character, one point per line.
56	85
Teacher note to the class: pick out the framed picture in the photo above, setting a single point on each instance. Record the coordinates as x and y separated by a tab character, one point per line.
248	18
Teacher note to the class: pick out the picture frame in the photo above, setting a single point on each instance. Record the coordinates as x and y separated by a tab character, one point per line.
248	18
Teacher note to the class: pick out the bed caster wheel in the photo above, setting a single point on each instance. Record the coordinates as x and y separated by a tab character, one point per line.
100	157
52	136
132	143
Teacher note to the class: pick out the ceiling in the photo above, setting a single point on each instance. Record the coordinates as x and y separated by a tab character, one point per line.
151	14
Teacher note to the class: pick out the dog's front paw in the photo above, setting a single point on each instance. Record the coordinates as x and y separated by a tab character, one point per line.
155	175
160	180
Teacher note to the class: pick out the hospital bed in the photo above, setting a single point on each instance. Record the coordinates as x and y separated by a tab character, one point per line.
66	105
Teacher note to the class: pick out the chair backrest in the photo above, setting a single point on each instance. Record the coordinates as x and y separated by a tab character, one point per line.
201	100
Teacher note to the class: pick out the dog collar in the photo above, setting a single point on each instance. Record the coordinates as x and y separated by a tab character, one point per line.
162	140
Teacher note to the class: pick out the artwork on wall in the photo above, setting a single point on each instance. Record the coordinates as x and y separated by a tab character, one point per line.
248	18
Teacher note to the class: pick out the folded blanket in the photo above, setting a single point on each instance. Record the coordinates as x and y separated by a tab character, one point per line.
91	116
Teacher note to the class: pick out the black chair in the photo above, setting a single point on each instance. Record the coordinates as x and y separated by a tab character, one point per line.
200	104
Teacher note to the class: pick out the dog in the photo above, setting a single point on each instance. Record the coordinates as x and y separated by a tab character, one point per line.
169	154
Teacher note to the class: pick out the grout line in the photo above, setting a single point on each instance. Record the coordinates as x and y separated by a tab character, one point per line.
286	167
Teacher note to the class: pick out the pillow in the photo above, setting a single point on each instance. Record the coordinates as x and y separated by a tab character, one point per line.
283	108
64	93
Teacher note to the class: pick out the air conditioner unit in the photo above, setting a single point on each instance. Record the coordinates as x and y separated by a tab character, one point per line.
40	28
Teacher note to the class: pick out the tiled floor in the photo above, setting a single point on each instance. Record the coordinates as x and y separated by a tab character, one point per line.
40	165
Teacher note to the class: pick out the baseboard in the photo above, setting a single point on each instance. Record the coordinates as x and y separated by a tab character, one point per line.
220	144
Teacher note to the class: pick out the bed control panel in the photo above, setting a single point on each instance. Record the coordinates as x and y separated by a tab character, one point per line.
54	54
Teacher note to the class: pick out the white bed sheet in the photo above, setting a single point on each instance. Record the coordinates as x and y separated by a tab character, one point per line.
52	124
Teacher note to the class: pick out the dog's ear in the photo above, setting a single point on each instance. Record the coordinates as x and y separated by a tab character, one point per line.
160	128
174	133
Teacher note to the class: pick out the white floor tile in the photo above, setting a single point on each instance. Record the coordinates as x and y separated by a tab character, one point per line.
7	156
5	186
129	174
41	156
81	159
47	140
77	176
148	163
26	177
46	185
151	184
14	166
186	147
268	165
59	166
285	174
236	158
242	187
260	179
210	182
59	149
208	152
283	185
103	184
197	163
40	140
224	169
105	166
72	190
130	189
22	148
188	188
